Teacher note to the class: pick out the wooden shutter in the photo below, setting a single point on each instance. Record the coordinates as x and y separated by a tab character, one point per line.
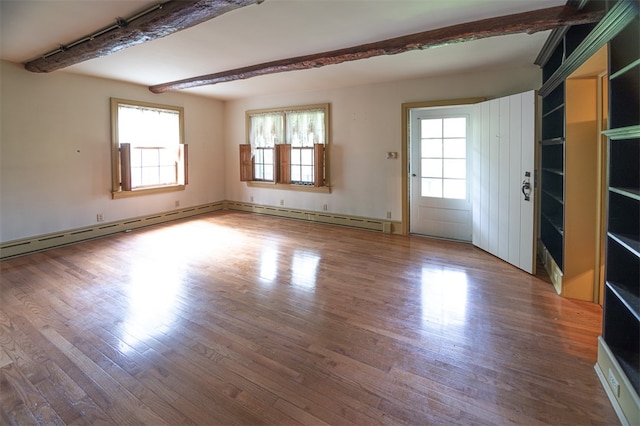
283	167
125	167
246	163
318	162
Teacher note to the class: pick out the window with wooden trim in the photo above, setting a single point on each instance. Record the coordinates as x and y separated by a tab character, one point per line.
148	150
286	146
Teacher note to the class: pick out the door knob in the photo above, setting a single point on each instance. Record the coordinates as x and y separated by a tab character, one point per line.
526	186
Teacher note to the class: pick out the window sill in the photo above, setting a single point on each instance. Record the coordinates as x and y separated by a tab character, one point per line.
290	187
146	191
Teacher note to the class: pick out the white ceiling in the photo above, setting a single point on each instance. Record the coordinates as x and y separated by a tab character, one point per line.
275	29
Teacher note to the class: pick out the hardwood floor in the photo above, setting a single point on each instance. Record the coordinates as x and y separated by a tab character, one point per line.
234	318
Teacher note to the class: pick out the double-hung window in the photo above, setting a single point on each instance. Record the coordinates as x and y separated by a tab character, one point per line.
265	132
305	131
287	146
148	150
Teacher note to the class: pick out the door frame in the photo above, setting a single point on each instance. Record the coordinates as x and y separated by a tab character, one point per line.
602	102
455	209
406	126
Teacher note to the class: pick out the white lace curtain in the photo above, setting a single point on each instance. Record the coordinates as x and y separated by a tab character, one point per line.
305	128
266	130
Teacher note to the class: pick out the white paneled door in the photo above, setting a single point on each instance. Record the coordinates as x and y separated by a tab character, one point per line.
502	195
440	166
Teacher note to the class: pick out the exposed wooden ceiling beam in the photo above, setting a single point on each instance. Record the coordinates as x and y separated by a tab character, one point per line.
158	21
527	22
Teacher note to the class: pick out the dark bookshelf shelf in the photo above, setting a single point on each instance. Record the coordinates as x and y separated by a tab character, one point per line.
553	141
627	241
556	197
559	107
624	69
556	222
622	133
627	192
630	300
558	172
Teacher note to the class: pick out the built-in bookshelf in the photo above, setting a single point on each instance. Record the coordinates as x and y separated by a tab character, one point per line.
569	139
621	329
552	162
619	346
561	55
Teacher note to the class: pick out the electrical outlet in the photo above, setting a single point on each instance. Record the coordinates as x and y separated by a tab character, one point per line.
388	215
615	386
324	207
100	217
177	203
282	202
252	198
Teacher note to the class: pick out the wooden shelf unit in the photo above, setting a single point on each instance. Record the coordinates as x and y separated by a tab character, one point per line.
552	167
621	329
619	346
570	204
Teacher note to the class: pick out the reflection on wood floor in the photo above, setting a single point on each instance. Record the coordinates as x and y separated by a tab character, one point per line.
235	318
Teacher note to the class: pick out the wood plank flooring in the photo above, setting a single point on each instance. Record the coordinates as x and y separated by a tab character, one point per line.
234	318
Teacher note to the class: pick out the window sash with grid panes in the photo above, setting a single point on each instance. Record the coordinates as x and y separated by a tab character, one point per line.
153	166
263	164
288	146
302	172
443	155
147	147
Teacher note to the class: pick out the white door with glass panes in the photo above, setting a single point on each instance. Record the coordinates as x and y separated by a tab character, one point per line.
439	183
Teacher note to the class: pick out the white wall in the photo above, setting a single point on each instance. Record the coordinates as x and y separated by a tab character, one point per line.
55	171
366	124
55	139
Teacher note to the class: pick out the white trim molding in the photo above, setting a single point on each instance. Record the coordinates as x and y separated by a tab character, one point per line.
623	397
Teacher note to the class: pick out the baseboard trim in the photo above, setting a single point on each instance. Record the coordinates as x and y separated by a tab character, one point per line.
386	226
43	242
15	248
625	400
550	265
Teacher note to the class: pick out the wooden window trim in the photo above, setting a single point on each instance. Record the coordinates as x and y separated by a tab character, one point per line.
282	179
289	186
121	182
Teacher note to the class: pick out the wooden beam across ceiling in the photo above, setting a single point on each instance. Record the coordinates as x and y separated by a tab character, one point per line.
527	22
160	20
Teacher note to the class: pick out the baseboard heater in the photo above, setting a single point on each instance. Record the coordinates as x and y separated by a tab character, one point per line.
314	216
43	242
